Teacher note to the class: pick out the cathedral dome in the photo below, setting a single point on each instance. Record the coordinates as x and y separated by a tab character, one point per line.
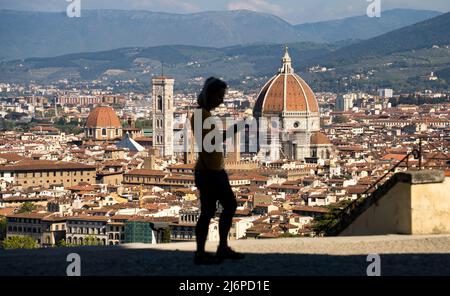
285	92
103	116
319	138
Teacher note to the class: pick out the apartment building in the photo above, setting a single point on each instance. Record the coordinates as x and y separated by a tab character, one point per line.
28	173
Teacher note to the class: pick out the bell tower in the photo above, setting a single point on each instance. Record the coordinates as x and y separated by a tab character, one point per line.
162	107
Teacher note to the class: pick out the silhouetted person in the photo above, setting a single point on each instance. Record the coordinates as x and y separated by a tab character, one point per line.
212	181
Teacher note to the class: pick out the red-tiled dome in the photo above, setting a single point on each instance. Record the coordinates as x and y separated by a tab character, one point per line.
286	91
103	116
319	138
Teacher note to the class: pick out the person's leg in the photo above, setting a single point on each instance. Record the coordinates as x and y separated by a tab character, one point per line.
207	209
201	231
229	204
206	185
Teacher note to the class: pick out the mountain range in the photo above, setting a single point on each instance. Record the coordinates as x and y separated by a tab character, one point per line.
46	34
398	59
362	27
428	33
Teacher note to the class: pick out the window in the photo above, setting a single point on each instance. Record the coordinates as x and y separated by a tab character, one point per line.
159	103
103	131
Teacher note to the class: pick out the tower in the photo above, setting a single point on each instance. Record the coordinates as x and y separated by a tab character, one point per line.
162	107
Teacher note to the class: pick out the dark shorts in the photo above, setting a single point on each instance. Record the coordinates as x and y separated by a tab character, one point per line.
214	186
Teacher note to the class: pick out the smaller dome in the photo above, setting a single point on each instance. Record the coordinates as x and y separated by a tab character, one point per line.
319	138
103	116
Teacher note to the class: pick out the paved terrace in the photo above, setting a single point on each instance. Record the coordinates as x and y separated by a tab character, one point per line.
400	255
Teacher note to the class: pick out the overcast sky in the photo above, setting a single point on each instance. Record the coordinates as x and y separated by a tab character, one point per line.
294	11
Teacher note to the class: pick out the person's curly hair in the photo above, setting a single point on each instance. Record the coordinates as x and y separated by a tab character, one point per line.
212	84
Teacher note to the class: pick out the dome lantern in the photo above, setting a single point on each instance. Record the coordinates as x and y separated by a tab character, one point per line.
286	63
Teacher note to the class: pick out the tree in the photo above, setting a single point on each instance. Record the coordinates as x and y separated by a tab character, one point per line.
340	119
27	207
13	115
166	236
288	234
2	228
63	243
321	224
68	127
143	123
91	240
20	242
6	125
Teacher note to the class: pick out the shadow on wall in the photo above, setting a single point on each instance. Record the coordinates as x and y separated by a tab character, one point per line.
116	261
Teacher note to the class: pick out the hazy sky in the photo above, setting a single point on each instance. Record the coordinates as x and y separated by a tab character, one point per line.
294	11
